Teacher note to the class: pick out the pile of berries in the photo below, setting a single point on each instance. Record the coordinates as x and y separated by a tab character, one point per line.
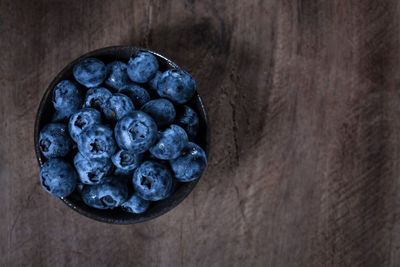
121	134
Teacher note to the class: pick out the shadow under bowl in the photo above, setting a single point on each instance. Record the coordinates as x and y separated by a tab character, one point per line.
117	215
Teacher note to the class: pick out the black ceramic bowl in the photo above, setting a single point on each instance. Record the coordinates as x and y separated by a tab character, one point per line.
118	216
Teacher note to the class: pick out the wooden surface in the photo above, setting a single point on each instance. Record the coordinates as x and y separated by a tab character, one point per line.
304	105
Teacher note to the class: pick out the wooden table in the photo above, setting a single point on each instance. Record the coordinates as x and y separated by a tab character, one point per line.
304	105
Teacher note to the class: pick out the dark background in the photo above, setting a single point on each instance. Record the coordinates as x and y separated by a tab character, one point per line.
304	105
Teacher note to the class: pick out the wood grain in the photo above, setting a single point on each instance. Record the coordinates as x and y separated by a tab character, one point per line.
304	106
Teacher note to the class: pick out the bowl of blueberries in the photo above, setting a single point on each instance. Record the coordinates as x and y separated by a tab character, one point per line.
121	135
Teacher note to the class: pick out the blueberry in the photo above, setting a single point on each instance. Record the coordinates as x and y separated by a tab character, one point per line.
136	132
116	75
105	196
118	106
188	119
135	204
170	143
67	99
190	165
58	177
173	188
97	98
90	196
97	141
142	67
81	120
136	93
125	160
90	72
54	140
92	171
152	180
161	110
176	85
153	82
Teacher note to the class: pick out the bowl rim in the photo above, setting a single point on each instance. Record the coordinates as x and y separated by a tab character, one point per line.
189	186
